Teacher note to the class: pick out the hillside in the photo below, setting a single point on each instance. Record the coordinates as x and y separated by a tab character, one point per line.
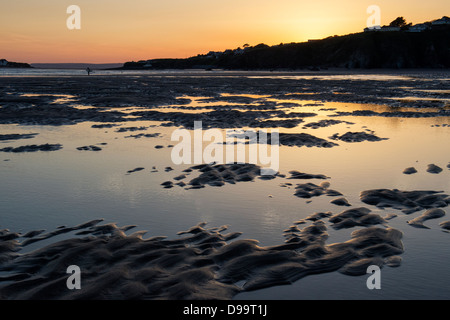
396	49
8	64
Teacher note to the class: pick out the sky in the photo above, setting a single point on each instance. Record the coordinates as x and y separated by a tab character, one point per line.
116	31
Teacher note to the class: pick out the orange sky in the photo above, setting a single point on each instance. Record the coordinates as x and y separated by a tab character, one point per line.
124	30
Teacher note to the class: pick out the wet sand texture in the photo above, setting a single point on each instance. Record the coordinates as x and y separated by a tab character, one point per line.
33	148
201	264
143	135
290	139
341	202
432	168
356	137
304	139
219	174
226	118
104	126
309	190
205	263
301	175
427	215
135	170
167	184
406	201
394	114
131	129
17	136
108	96
355	217
89	148
445	225
319	216
324	123
104	91
410	170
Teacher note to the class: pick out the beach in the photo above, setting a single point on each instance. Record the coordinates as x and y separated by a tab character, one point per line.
88	179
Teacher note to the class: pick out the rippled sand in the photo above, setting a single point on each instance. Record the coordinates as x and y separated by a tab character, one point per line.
330	113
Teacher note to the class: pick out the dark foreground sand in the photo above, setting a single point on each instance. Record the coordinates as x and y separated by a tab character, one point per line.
202	264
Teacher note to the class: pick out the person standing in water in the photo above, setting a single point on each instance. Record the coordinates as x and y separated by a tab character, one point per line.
88	70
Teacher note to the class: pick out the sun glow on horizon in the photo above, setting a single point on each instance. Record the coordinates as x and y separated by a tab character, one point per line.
119	31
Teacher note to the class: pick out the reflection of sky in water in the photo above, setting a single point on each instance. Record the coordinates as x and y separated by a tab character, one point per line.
68	187
421	98
357	77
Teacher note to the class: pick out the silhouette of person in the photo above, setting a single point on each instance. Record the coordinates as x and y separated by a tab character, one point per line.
88	70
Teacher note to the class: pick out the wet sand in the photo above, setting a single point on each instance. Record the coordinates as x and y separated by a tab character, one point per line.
202	264
109	95
207	263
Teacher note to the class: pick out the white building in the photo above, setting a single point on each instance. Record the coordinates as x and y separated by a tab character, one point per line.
373	28
381	29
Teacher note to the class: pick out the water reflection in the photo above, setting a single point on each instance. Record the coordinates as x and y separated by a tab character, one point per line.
42	190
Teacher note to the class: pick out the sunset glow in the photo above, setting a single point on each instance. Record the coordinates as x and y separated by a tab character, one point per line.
114	31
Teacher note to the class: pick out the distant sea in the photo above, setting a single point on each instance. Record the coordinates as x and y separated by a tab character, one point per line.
43	72
37	72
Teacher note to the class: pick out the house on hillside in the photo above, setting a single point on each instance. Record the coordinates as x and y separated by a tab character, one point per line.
381	29
419	27
373	28
442	21
214	54
3	62
145	63
389	29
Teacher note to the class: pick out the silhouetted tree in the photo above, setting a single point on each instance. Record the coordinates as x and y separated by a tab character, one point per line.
399	22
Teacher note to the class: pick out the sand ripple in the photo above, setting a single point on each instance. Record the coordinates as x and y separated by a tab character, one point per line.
407	201
203	263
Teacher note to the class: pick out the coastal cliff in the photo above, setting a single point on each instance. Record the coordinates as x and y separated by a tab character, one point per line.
394	49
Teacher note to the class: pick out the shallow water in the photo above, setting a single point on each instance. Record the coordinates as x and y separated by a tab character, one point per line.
44	190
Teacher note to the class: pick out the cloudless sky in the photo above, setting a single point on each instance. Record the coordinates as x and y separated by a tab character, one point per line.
124	30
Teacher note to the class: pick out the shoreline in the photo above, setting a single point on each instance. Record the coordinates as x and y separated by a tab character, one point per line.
266	72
